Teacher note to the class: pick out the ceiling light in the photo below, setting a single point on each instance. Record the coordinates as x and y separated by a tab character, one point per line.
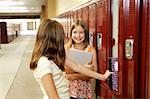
10	3
13	11
13	8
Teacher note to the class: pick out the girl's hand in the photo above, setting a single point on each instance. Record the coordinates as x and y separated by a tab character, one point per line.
107	74
68	76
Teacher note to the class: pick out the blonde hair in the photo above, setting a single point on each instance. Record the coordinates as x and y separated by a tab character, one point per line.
49	43
86	31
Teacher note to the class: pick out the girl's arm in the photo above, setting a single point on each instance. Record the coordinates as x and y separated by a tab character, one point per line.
74	75
49	86
83	70
71	75
94	59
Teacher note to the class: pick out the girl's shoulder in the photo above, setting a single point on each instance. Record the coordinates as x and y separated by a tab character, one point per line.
43	60
45	63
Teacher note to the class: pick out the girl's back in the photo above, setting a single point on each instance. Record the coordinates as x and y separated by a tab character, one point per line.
45	66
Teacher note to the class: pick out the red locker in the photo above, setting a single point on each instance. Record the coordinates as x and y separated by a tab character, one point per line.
65	23
128	46
71	18
102	30
133	44
148	58
75	15
104	45
62	21
6	32
92	24
68	23
79	14
0	35
144	49
85	15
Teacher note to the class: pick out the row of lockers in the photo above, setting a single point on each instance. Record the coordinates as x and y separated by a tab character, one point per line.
99	15
8	31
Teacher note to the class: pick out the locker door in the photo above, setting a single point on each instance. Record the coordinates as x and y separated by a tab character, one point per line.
79	14
75	15
85	15
143	85
92	24
62	21
4	34
128	46
68	23
0	35
148	58
102	32
71	18
104	44
65	22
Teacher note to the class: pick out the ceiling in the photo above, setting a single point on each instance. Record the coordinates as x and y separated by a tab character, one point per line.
20	7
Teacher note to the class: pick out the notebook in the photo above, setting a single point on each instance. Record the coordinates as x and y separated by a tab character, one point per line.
80	56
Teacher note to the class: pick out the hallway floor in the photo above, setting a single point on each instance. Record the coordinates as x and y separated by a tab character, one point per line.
16	79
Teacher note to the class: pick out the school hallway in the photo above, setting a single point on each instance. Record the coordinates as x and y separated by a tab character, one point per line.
119	31
16	79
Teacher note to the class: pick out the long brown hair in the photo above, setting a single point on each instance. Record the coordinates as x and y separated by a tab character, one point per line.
49	43
86	31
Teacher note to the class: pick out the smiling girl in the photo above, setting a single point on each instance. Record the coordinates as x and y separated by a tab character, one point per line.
80	86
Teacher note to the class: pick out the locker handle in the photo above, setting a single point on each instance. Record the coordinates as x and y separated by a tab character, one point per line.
129	48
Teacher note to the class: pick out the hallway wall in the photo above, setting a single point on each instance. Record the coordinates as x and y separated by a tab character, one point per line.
56	7
65	5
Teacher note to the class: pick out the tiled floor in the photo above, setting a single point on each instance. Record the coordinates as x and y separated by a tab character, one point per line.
16	79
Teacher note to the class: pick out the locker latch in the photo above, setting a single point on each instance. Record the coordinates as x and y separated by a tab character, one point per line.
129	48
99	40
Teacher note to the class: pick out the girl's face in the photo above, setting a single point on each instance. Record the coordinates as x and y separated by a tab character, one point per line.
78	34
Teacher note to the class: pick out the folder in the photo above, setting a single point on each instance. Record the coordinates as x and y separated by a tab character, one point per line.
80	56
